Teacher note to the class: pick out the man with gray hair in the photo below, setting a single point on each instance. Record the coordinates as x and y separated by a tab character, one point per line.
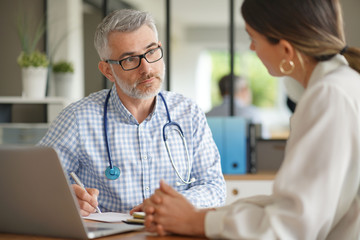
121	142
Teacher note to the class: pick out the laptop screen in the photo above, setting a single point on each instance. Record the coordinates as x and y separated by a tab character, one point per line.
37	198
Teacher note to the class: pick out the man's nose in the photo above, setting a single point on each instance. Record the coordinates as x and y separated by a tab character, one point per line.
144	65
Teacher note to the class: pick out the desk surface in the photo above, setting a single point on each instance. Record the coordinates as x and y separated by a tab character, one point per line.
124	236
255	176
145	235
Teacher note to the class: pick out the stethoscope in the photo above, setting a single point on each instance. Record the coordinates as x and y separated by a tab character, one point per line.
112	172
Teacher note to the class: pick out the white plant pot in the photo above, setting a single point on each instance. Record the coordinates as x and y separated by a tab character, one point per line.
34	82
63	84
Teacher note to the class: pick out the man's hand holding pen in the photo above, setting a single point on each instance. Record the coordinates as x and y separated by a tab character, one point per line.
87	199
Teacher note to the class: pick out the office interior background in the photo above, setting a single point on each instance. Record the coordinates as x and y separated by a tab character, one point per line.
199	39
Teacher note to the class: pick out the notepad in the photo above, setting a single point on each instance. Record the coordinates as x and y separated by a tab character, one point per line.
108	217
113	217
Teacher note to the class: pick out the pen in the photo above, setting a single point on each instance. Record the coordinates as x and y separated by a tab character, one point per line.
78	182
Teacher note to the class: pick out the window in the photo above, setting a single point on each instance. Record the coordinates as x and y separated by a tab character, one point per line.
264	87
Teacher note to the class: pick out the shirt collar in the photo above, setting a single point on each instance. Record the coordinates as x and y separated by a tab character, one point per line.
325	67
156	108
124	113
119	108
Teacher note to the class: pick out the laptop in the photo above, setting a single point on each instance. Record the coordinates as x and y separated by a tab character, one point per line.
37	199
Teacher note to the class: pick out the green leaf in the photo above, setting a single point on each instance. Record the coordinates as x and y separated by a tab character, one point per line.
34	59
63	67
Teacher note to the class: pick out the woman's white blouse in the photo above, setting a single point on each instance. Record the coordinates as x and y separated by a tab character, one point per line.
316	191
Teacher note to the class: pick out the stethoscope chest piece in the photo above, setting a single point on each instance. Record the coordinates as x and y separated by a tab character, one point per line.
113	173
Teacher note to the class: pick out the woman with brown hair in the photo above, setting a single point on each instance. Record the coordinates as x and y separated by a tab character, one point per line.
316	191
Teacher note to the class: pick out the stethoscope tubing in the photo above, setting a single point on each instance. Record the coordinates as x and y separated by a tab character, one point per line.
106	130
112	172
181	133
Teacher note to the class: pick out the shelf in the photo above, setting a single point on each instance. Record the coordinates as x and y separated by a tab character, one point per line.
24	100
25	121
22	133
14	109
24	125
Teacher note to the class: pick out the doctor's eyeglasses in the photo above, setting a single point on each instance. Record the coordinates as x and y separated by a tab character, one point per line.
134	62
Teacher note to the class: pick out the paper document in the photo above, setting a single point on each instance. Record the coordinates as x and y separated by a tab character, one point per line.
108	217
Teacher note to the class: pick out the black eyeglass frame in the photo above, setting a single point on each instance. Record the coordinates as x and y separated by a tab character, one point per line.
141	56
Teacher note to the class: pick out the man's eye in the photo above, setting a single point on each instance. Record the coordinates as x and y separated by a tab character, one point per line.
130	59
151	51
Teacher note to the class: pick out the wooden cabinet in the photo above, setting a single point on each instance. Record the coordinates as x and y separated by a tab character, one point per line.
242	186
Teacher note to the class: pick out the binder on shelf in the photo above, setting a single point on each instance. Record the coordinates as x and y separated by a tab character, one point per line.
230	136
251	149
216	126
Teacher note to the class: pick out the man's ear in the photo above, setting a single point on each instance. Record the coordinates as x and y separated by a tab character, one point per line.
106	70
288	49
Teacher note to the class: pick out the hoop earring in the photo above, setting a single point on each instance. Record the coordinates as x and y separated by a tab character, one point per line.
286	72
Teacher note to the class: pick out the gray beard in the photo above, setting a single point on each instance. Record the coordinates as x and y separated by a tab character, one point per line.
133	92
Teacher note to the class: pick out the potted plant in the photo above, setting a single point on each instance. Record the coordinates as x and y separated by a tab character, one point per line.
34	59
34	64
63	76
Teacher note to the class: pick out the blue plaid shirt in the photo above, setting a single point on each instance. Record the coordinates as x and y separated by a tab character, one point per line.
138	150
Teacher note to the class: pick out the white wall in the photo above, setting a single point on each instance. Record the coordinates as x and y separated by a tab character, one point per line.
65	40
351	9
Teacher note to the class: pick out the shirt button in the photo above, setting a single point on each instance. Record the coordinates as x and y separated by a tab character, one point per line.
145	157
147	188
